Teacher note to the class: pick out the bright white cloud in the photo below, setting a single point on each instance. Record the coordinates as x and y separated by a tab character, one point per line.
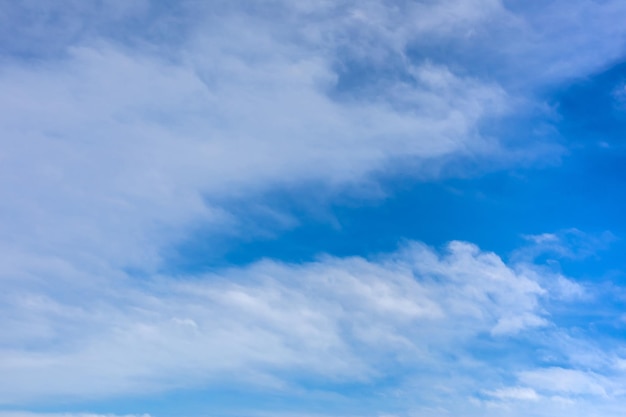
345	320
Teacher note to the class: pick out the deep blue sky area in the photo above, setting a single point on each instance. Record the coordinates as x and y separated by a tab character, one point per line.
583	189
495	211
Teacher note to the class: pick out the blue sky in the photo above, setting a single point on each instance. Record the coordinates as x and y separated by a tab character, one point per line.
312	208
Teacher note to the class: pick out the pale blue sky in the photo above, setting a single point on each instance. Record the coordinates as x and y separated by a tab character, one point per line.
312	208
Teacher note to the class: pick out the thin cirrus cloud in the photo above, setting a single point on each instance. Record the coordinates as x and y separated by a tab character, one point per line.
344	319
128	126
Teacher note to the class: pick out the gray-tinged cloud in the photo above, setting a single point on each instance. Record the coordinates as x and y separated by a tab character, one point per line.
125	140
108	146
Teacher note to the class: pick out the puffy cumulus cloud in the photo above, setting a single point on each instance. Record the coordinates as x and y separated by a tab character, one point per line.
339	320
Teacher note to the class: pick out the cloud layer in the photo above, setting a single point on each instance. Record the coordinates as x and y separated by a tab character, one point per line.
279	325
134	137
128	126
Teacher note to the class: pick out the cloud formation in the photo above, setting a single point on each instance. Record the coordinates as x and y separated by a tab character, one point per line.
131	137
349	320
127	126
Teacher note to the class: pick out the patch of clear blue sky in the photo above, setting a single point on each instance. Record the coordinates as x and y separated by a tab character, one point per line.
494	209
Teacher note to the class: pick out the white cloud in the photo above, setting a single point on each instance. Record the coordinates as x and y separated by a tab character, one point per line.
117	143
114	154
112	150
566	381
515	393
569	243
340	319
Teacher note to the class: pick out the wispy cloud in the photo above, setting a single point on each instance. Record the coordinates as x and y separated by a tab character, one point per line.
125	147
128	140
566	244
346	320
129	125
